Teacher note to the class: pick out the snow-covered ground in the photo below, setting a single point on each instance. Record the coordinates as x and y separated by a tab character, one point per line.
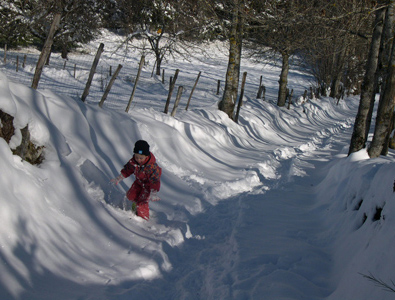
270	208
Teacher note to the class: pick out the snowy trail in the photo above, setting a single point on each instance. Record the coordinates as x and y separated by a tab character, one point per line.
290	247
238	268
288	251
244	210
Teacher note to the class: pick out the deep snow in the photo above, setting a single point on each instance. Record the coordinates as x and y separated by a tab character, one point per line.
270	208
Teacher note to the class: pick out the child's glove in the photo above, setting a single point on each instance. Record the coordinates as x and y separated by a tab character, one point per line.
154	196
117	180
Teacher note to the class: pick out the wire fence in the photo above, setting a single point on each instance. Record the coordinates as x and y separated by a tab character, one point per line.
69	77
65	76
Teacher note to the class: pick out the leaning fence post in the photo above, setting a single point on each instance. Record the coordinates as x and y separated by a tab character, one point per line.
135	82
110	85
172	84
92	72
193	89
46	51
241	97
218	86
179	93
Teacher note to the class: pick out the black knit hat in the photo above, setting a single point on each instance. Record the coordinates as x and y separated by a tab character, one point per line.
141	147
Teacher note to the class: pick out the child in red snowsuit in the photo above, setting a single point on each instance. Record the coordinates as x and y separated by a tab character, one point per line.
147	172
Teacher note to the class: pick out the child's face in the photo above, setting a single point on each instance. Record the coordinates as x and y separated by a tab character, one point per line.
140	158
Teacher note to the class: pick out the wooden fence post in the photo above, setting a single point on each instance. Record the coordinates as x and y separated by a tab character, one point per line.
258	96
218	86
44	55
17	63
24	61
179	93
172	84
92	72
135	82
194	86
110	85
241	97
163	76
5	53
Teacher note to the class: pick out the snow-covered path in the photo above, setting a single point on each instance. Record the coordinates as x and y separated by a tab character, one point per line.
288	251
244	210
269	244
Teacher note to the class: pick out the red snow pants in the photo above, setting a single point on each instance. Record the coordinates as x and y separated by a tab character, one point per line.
140	196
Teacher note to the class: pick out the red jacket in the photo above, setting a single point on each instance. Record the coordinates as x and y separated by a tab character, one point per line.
147	175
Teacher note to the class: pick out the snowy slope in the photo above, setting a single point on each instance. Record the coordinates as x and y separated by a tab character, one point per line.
270	208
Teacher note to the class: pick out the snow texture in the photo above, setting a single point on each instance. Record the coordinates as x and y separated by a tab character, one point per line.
270	208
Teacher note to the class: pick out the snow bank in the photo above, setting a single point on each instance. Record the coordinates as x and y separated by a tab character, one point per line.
360	200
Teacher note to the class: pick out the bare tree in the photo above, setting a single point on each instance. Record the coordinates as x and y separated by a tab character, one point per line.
282	28
165	24
337	51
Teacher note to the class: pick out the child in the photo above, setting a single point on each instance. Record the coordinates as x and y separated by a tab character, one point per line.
147	184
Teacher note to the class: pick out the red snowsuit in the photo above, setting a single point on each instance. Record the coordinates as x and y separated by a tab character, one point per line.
147	179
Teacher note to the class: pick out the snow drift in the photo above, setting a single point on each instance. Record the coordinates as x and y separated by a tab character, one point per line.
268	208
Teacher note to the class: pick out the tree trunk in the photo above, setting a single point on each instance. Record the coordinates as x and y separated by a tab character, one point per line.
158	64
385	110
338	71
228	101
282	91
387	139
359	134
383	61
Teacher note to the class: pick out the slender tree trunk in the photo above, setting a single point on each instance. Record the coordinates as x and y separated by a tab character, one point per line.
338	67
385	110
383	60
228	101
359	134
283	81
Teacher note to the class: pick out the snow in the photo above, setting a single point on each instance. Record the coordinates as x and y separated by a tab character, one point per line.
269	208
